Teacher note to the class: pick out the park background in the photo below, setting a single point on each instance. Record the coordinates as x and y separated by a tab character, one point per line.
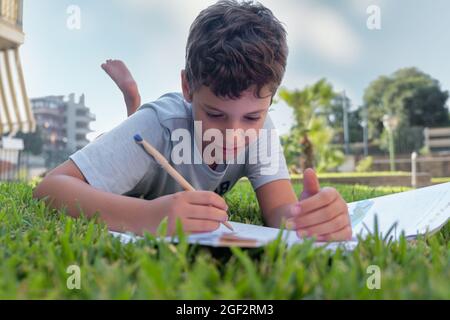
368	59
364	101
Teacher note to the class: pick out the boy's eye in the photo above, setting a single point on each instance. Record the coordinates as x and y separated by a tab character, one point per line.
253	118
213	115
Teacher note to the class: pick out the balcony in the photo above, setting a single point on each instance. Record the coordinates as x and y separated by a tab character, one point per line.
11	35
84	115
83	131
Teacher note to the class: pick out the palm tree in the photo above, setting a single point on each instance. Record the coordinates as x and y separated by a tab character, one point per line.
306	104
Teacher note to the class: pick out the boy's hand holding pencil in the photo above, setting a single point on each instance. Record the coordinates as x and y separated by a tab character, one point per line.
199	211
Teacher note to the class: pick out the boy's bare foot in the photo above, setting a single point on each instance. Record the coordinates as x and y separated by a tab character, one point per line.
120	74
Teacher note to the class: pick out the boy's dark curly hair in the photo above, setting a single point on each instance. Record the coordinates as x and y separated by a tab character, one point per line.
234	45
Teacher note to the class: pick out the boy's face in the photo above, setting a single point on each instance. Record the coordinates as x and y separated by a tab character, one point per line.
246	113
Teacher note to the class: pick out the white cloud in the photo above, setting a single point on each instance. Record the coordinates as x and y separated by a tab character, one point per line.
318	29
179	12
311	26
360	6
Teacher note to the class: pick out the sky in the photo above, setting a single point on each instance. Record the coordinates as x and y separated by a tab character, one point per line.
326	38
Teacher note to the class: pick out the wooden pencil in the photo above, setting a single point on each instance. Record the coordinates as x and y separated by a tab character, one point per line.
169	169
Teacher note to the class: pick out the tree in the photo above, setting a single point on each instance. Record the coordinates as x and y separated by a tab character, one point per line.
321	136
310	131
335	118
411	95
427	107
33	141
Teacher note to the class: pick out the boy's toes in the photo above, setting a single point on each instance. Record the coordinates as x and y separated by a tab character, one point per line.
118	63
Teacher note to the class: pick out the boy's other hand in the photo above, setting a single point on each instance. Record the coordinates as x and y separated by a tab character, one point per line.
321	213
199	211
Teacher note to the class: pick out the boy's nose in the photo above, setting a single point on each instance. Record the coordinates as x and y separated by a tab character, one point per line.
235	138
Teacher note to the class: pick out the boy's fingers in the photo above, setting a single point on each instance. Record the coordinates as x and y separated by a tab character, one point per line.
206	213
328	227
344	234
323	198
321	215
197	225
311	184
206	198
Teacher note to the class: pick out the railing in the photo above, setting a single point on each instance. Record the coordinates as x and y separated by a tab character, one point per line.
11	11
13	165
437	138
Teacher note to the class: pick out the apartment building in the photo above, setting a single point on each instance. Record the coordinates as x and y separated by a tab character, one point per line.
64	123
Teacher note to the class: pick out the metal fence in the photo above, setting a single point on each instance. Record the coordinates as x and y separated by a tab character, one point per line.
13	165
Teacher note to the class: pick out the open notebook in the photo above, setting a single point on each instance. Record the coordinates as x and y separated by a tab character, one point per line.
413	212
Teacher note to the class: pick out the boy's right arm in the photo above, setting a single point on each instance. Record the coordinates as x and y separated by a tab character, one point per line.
66	187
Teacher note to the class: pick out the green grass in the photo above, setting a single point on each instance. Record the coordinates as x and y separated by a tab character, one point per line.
440	180
37	245
358	174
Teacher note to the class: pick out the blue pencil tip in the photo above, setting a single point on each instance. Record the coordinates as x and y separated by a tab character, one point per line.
138	138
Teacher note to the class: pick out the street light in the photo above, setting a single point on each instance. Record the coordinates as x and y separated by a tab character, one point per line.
390	123
345	106
53	138
364	123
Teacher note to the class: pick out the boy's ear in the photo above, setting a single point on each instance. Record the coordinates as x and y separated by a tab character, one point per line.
185	87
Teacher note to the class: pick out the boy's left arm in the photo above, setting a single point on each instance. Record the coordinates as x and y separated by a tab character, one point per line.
321	213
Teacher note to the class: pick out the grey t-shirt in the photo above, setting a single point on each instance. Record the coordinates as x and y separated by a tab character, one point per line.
115	163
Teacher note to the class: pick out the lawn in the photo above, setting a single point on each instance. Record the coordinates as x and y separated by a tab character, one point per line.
440	180
358	174
37	245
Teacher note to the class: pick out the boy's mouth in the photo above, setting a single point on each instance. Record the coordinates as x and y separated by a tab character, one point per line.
230	149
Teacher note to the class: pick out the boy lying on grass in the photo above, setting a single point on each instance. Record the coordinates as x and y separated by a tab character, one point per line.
235	61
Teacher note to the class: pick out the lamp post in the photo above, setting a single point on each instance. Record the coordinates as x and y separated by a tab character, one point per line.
414	169
364	123
53	137
390	123
345	106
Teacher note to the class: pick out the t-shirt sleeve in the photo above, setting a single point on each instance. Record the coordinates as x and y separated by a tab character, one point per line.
114	162
266	161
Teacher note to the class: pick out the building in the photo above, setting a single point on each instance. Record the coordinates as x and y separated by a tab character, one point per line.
49	115
64	123
77	123
15	111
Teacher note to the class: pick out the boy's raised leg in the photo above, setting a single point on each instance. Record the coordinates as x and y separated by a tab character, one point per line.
120	74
